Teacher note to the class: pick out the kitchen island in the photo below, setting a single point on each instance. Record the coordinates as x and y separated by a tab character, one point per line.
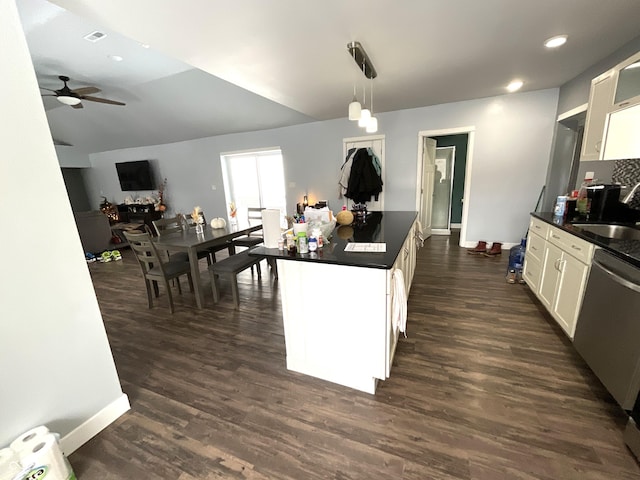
338	306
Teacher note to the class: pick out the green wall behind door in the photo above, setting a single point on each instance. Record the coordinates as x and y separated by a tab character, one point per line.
460	142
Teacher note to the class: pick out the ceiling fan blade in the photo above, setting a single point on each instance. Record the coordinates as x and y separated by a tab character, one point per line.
101	100
78	105
86	90
42	88
47	95
62	143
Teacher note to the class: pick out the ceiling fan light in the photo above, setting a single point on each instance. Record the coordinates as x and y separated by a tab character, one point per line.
372	126
365	115
354	110
67	100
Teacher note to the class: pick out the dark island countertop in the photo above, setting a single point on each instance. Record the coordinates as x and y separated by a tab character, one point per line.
628	250
391	228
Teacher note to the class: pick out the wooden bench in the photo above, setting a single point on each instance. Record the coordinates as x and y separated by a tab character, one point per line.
230	267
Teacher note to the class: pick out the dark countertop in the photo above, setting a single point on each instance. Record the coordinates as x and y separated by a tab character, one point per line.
628	250
389	227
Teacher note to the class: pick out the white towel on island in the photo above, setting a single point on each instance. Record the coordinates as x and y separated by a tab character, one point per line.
419	234
398	302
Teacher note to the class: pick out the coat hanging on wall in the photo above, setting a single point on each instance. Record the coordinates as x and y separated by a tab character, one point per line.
360	175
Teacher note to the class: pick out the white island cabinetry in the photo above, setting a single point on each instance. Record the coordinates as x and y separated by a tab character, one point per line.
337	307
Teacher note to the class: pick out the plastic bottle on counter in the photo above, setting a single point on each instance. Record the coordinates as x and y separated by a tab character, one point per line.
303	246
582	204
313	243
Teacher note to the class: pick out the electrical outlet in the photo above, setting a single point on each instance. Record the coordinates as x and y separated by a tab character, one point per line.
213	187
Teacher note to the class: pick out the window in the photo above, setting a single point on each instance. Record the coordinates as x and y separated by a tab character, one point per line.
254	179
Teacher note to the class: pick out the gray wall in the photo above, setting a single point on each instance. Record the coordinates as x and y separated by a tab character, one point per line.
509	160
76	191
56	365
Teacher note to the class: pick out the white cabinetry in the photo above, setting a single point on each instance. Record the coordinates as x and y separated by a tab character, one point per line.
344	332
613	113
559	275
600	102
534	254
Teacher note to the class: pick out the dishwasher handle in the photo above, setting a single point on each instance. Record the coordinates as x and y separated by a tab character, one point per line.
616	277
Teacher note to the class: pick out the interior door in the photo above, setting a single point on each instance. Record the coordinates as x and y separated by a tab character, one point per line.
428	179
376	143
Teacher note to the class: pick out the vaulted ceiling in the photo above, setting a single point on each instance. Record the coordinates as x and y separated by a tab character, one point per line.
225	66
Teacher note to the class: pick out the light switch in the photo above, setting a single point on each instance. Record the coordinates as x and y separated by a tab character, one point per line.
213	187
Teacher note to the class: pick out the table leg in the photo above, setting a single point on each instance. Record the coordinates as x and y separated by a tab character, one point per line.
195	273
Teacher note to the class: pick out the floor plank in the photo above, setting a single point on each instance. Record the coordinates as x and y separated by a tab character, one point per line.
486	386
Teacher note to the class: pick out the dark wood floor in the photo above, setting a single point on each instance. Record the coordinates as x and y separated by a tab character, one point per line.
486	386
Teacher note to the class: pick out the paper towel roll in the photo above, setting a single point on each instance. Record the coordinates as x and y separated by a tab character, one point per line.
29	438
46	459
9	466
271	227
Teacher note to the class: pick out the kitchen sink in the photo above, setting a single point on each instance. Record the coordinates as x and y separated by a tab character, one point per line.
617	232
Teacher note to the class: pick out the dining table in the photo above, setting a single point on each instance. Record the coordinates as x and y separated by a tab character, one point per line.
189	241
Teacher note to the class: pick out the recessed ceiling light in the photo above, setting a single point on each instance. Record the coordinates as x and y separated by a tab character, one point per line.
555	42
115	58
145	45
95	36
515	85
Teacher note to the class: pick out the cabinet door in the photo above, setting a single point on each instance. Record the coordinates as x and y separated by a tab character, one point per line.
622	139
550	275
571	285
600	102
531	273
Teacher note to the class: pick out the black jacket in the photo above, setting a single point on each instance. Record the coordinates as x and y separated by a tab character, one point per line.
364	181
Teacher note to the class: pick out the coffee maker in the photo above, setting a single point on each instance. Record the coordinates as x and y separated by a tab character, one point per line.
604	201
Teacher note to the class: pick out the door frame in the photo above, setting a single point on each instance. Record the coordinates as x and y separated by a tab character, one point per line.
470	131
447	231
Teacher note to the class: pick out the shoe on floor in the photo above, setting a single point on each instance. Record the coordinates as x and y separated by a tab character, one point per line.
90	257
116	255
496	249
105	257
511	276
479	249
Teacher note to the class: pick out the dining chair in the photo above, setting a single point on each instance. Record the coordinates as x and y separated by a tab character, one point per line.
189	222
166	226
154	270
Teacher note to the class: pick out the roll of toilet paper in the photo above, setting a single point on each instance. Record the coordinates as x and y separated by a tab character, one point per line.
29	438
271	227
9	465
45	459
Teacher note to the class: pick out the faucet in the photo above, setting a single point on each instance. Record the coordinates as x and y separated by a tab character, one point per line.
627	198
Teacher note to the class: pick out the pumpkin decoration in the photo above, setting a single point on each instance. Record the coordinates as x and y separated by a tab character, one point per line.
345	217
218	222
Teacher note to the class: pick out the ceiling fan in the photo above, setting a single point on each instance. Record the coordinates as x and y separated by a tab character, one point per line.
73	98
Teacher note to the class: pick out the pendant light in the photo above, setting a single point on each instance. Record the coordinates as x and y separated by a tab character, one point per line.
355	108
372	124
365	113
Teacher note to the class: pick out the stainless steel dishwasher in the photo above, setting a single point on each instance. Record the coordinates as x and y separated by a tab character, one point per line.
608	334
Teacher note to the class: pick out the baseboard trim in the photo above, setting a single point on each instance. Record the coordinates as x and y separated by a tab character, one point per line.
89	429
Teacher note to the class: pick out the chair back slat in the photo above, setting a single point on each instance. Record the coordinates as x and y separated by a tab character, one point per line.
254	215
145	251
165	226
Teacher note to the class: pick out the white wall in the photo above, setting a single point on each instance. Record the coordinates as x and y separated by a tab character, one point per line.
510	157
72	157
56	365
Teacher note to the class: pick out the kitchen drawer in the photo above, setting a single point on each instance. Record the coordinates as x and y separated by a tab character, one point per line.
535	246
539	227
574	246
531	273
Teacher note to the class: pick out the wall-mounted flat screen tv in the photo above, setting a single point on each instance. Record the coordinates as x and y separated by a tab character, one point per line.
135	176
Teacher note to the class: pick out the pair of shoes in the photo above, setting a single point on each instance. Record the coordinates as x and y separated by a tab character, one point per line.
479	249
496	249
105	256
511	276
90	257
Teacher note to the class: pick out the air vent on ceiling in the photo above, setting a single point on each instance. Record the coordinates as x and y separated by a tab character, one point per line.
95	36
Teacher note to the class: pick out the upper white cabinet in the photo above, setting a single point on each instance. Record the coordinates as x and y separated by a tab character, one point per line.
600	102
612	114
